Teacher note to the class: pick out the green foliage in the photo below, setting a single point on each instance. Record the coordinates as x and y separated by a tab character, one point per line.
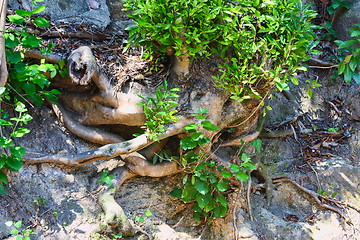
11	154
140	219
160	111
16	231
265	41
27	82
330	193
349	56
206	183
106	178
336	4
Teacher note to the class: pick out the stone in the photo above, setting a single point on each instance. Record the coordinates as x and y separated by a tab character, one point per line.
344	19
74	11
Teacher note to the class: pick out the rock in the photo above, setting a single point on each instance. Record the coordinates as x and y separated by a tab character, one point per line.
346	18
75	11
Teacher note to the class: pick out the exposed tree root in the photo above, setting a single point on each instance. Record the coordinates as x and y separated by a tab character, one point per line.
109	150
52	58
87	133
114	214
314	195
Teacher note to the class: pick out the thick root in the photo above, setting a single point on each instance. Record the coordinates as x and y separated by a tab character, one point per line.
109	150
114	214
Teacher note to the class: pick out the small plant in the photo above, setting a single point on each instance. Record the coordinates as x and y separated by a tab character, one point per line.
349	56
206	183
11	154
160	111
116	236
106	178
23	234
26	83
330	193
148	213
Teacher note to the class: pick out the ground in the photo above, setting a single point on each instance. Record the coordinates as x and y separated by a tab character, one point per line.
61	203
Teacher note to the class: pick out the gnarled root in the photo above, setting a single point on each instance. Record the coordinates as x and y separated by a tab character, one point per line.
109	150
114	214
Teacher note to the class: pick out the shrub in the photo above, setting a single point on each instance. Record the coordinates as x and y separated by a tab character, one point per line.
263	41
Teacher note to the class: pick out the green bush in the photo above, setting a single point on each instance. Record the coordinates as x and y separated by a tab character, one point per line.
27	83
264	41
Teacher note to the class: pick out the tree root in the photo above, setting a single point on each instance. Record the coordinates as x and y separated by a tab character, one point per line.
87	133
114	214
316	197
52	58
109	150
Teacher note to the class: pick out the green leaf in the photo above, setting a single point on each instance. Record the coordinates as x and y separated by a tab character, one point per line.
20	107
31	41
235	168
13	164
14	56
346	44
245	157
222	200
248	165
220	211
202	187
209	126
38	10
17	151
18	224
41	22
3	177
226	174
20	132
356	78
2	189
2	90
23	13
347	74
9	223
14	232
203	200
191	127
242	176
176	192
148	213
5	123
222	186
139	219
16	19
188	143
257	143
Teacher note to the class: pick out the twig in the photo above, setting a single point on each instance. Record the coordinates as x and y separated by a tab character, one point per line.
314	195
335	108
322	64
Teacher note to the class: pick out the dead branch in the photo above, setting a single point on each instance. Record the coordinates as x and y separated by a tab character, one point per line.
3	67
321	64
312	194
109	150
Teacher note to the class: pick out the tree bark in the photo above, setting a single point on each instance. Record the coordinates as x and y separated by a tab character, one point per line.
3	66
